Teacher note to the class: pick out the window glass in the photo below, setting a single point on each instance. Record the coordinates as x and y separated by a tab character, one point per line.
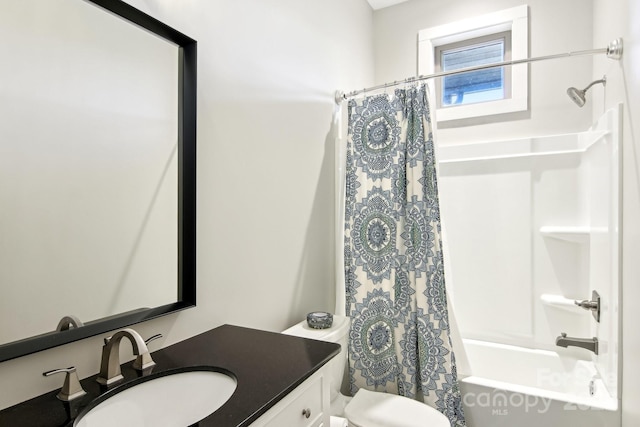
474	86
490	84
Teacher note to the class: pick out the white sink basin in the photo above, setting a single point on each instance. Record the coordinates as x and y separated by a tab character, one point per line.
175	400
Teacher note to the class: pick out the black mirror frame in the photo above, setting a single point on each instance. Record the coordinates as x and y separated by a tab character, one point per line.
186	295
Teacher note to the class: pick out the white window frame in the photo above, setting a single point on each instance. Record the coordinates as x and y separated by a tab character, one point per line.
515	20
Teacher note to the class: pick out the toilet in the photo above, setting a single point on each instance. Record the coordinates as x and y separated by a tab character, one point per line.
366	408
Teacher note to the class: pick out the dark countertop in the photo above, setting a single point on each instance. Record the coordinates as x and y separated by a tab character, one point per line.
267	366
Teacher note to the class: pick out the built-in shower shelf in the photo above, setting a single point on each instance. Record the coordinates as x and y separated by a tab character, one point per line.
543	146
511	156
576	234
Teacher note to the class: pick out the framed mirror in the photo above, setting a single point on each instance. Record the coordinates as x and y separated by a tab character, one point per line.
97	171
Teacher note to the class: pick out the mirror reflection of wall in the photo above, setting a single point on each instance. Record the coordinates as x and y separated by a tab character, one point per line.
88	166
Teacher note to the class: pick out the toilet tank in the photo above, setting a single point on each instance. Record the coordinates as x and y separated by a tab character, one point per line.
337	333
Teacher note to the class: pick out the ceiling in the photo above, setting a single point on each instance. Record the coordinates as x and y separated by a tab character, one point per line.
379	4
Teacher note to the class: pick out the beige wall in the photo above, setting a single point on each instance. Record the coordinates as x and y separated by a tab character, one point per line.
267	73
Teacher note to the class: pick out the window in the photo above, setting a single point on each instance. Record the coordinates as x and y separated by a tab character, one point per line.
497	37
476	86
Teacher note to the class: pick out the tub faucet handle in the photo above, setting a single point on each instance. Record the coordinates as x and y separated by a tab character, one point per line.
587	304
71	389
593	304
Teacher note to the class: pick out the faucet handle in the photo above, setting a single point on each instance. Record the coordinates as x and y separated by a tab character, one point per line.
143	360
71	389
593	305
152	338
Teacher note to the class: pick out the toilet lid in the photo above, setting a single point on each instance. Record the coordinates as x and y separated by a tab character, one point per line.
375	409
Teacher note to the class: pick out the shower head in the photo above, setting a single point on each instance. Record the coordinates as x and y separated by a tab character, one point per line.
579	95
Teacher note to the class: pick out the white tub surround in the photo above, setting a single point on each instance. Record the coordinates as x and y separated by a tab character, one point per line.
533	226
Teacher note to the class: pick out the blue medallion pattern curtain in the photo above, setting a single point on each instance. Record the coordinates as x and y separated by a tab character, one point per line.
399	339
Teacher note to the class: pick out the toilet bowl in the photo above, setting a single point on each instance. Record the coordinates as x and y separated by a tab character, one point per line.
366	408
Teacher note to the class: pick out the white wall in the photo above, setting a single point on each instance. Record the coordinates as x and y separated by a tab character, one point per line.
267	73
619	18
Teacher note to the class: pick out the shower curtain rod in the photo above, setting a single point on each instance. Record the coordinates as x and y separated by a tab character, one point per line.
613	51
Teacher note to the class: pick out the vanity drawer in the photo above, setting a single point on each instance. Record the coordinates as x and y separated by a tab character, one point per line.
303	407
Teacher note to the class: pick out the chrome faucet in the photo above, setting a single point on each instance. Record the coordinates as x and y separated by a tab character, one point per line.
110	372
588	343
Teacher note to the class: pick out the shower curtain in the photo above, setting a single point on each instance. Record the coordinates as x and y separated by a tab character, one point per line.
395	292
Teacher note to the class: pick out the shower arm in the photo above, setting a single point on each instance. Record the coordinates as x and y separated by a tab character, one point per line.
602	80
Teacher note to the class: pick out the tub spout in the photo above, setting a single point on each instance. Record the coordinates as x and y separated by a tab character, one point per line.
588	343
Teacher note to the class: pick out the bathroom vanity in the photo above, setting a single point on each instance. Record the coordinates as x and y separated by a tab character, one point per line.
280	381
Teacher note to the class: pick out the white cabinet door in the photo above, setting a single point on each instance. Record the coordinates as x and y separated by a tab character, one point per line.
306	406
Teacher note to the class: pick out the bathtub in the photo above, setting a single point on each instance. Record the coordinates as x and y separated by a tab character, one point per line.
519	387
